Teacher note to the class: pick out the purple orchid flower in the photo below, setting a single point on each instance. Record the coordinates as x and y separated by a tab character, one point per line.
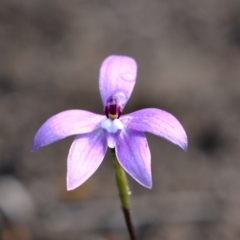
124	133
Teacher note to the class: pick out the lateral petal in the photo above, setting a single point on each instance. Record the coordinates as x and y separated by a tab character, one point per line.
158	122
65	124
117	76
133	154
85	156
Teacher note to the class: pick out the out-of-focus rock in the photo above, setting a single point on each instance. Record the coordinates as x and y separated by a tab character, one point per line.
15	201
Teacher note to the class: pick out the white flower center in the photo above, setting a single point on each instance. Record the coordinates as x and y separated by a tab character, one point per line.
112	126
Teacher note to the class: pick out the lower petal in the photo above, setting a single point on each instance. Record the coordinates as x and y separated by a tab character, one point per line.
133	154
85	156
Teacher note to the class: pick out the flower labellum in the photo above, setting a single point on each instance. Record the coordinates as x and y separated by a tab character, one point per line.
95	133
113	109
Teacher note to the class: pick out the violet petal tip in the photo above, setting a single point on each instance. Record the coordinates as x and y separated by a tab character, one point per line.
34	147
70	186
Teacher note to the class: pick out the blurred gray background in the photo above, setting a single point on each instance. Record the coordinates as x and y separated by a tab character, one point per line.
188	55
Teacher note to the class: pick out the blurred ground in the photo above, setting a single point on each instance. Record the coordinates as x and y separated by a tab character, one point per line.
188	54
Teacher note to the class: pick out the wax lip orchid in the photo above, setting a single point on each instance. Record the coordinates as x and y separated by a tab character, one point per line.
125	133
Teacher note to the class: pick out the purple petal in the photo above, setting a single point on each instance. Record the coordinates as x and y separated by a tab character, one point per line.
117	76
85	156
134	156
65	124
157	122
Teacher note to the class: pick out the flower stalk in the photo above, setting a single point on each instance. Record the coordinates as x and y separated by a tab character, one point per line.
124	194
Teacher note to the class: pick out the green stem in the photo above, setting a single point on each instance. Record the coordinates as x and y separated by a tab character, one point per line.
124	193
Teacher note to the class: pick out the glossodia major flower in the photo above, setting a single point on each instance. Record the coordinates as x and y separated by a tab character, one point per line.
95	133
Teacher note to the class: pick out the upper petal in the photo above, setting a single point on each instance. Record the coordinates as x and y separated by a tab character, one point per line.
157	122
85	156
65	124
133	154
117	76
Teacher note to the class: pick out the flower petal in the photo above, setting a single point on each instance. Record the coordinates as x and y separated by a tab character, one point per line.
65	124
157	122
85	156
117	76
133	154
